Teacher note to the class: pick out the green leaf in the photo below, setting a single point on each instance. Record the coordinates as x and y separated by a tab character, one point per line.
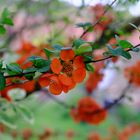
44	69
13	68
90	67
30	70
87	58
135	49
118	52
8	21
125	44
39	62
117	38
6	17
78	42
2	81
83	49
48	52
7	120
29	76
85	26
57	47
1	64
2	29
25	113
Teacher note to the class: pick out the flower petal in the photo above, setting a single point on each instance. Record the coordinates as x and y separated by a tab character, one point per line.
56	66
55	85
78	62
67	55
79	75
65	80
44	80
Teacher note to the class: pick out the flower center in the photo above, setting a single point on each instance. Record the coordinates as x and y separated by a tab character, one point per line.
67	68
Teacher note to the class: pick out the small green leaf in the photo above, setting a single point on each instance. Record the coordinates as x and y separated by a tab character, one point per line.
83	49
6	17
57	47
8	21
13	68
125	44
25	113
2	81
1	64
90	67
85	26
135	49
2	29
39	62
7	120
87	58
30	70
48	52
118	52
117	38
78	42
44	69
29	76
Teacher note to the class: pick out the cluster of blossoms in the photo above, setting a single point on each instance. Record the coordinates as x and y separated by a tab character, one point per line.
89	111
65	72
133	73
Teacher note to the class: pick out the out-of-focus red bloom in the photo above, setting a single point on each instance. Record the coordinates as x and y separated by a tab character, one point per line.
94	136
86	111
98	11
93	80
133	73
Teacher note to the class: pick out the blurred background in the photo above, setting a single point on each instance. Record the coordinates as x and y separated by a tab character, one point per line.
44	23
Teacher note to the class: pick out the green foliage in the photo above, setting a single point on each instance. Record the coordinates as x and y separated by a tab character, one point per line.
83	49
119	51
2	29
78	42
90	67
6	17
86	26
2	81
57	47
48	52
7	120
40	63
5	20
25	113
13	69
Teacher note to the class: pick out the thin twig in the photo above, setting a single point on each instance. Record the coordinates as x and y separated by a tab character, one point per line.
102	59
105	11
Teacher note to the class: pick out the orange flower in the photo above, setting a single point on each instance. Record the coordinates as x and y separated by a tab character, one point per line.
69	69
93	81
133	73
86	111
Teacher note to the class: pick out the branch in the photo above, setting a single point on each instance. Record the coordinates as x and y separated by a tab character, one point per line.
105	11
102	59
